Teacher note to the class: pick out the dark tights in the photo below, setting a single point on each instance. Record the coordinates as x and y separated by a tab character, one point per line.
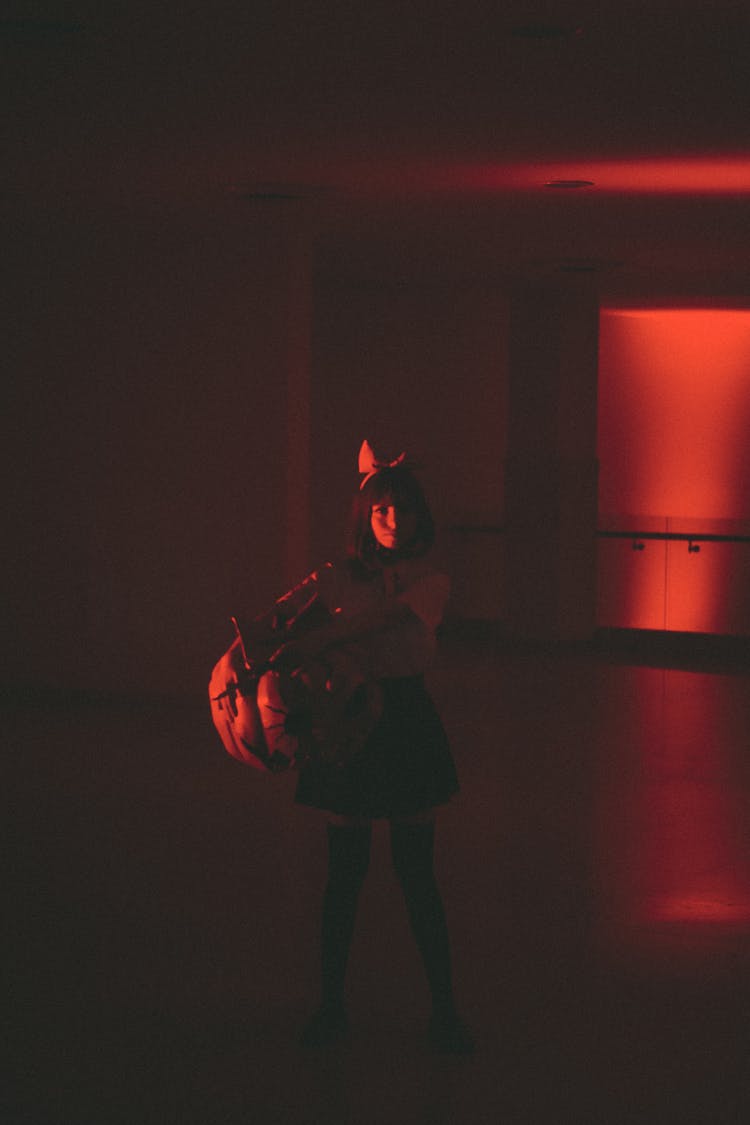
412	850
348	861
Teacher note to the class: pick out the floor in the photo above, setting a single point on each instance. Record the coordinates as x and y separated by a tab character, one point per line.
163	900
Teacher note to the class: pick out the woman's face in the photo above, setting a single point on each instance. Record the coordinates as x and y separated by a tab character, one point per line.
392	526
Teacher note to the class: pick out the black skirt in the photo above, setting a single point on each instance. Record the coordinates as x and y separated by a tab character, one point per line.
404	767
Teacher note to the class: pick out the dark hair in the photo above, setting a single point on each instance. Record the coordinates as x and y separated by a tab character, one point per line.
398	485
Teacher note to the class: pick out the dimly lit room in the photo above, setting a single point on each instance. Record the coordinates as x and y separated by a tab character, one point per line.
512	242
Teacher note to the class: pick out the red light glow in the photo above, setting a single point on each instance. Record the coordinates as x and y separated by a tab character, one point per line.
674	415
700	176
687	175
675	818
674	403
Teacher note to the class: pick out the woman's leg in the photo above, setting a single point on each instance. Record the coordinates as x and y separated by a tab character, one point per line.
412	849
348	861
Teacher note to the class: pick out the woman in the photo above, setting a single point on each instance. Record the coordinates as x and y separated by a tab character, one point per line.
381	606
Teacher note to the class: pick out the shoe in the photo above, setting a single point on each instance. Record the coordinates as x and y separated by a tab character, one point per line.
327	1027
450	1036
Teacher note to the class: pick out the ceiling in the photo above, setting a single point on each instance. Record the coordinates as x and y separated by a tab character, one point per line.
417	138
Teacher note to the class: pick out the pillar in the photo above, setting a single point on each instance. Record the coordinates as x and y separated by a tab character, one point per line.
551	469
298	361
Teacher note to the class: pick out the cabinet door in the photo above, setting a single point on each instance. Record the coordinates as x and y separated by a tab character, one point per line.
631	586
708	590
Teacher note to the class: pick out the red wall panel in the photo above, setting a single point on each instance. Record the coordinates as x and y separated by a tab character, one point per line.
674	416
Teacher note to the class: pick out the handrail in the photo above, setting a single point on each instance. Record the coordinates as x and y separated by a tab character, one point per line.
679	536
682	536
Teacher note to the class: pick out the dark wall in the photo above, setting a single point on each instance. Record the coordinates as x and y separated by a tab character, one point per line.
421	369
155	416
145	443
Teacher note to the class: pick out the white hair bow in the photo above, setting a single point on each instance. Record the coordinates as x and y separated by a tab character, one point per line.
369	465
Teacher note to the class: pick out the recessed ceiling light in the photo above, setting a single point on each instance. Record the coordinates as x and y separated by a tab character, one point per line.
575	265
30	29
546	31
569	185
269	195
275	192
588	265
